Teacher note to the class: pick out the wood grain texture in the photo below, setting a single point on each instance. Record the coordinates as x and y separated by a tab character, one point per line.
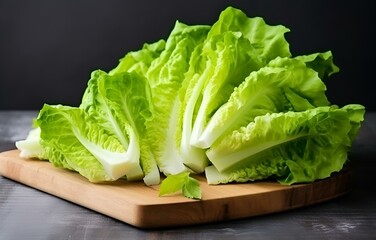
140	206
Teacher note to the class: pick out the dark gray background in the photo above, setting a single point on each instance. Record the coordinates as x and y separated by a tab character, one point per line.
48	48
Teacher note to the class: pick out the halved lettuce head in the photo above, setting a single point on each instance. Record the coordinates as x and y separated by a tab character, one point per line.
291	147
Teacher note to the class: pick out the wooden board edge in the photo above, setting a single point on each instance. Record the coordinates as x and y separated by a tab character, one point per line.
148	216
31	176
219	210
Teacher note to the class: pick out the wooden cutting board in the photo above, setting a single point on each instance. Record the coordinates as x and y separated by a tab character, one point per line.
139	205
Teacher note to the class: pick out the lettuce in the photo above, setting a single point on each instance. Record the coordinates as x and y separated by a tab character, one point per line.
183	183
31	146
166	76
235	46
228	100
284	84
268	41
74	140
292	147
121	104
322	63
104	138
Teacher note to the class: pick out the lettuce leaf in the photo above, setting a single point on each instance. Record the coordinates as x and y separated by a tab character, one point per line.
30	147
127	97
291	147
166	76
74	140
285	84
181	183
235	46
268	41
114	107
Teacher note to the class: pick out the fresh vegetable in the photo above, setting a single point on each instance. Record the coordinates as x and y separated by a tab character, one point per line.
31	146
121	103
292	147
166	77
227	100
284	84
235	46
183	183
73	140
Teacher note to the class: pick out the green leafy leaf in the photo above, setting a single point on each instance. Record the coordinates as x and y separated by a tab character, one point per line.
166	77
191	188
292	147
284	84
235	46
180	183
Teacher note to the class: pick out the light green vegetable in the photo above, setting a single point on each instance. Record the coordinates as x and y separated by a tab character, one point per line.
236	45
74	140
292	146
31	147
284	84
321	63
183	183
166	75
106	119
121	103
227	100
268	41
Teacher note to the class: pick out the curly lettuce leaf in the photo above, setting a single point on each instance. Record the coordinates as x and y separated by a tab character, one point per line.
321	63
73	139
269	41
180	183
235	46
291	147
283	85
121	104
166	76
127	96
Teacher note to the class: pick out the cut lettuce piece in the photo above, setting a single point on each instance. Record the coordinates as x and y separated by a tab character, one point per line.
180	183
189	94
228	58
129	97
94	104
235	46
166	75
121	104
291	147
31	147
73	138
285	84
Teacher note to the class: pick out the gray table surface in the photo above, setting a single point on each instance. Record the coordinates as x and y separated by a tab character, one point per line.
27	213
